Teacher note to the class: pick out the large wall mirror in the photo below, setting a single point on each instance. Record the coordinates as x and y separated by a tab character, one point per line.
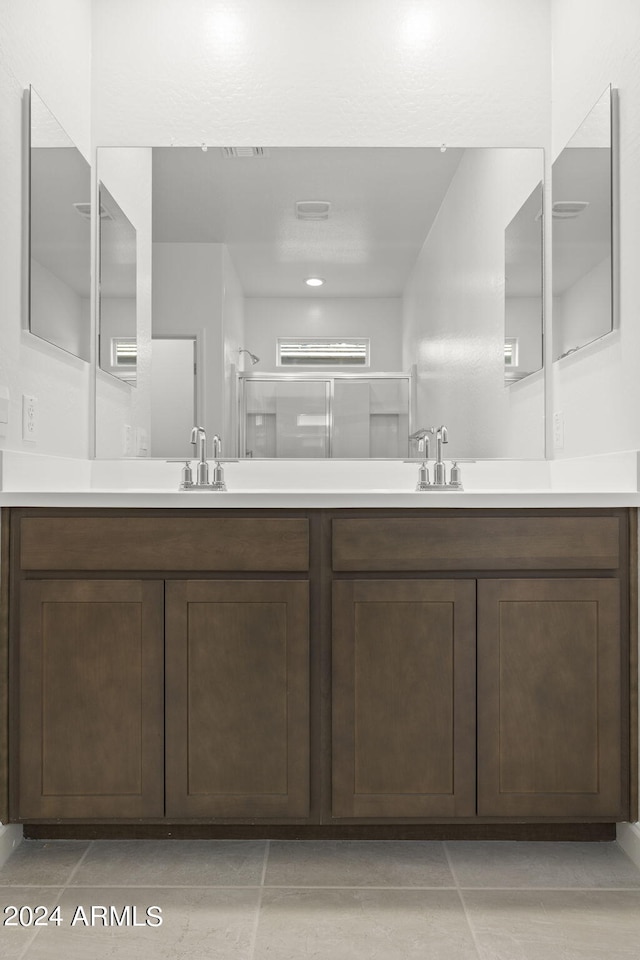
59	234
582	207
314	302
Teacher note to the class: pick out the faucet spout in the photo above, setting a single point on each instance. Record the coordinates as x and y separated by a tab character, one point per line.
422	436
199	440
439	471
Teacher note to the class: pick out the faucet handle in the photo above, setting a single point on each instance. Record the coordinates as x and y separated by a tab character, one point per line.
455	477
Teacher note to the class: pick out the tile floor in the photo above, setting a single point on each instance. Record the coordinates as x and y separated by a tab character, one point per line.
330	900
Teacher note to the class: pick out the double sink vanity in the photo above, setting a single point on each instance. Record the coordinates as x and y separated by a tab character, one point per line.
291	643
353	664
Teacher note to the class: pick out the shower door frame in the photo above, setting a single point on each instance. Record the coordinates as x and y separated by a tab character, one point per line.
308	376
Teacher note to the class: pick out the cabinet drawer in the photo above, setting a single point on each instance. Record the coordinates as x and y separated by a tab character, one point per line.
164	543
476	543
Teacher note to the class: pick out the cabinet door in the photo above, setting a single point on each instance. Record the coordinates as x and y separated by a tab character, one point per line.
90	731
237	699
549	698
403	698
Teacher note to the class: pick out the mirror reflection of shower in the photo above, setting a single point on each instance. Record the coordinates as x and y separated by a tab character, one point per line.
324	414
251	356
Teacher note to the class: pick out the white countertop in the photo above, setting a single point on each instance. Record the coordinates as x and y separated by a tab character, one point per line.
339	499
31	480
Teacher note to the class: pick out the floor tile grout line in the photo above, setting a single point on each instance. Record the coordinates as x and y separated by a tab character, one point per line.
98	885
303	886
533	889
450	864
78	864
354	886
254	932
36	930
472	932
469	924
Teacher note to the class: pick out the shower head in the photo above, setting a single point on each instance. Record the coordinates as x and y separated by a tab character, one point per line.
251	356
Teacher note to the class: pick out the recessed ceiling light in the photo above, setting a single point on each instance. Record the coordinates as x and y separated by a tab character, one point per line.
314	281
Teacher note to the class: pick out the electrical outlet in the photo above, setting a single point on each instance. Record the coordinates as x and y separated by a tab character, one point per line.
558	430
29	418
127	440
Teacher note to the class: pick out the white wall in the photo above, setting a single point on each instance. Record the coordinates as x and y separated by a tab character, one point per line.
322	72
597	389
46	43
380	319
454	313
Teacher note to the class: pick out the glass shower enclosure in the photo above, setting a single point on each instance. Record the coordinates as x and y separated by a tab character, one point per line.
317	416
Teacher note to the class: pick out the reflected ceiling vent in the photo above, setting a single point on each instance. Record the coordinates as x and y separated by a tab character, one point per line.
312	209
567	209
239	153
84	210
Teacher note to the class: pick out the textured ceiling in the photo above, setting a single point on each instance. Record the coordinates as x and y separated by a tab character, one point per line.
383	203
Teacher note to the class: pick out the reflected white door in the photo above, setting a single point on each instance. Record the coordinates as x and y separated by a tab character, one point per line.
173	396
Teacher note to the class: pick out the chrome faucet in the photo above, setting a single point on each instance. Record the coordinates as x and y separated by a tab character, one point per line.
439	468
199	440
202	483
439	471
422	436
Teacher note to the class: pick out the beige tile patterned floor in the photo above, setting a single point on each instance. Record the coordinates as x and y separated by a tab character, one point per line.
327	900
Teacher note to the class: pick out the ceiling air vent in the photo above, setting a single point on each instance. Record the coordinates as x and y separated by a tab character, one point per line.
568	209
312	209
238	153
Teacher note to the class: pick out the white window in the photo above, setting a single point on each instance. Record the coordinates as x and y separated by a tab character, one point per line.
511	352
323	351
124	352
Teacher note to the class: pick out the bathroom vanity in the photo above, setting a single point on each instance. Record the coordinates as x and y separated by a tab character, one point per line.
320	672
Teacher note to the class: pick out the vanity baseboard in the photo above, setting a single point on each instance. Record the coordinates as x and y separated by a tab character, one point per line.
558	832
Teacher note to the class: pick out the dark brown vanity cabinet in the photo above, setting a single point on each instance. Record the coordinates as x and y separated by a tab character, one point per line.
546	732
403	698
237	688
168	696
550	677
328	668
89	723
